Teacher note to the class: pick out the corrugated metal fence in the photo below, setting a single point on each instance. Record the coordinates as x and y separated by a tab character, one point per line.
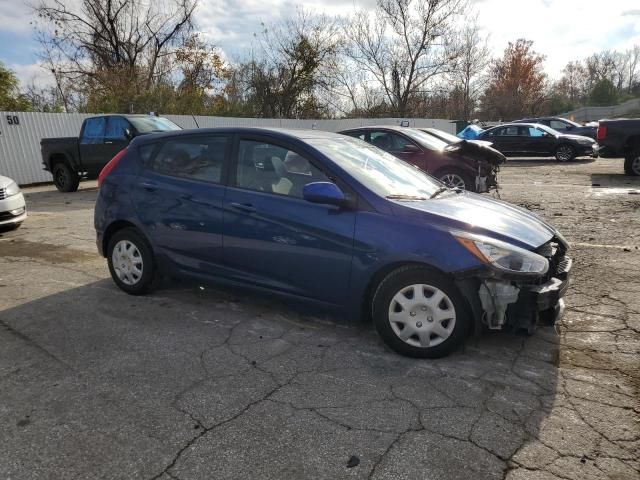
21	132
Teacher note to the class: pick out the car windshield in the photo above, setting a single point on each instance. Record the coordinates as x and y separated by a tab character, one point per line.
442	135
153	124
426	140
376	169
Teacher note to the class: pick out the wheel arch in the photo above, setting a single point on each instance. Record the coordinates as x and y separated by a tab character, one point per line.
115	227
381	273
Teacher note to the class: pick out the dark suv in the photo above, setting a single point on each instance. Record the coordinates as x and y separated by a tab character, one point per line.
452	164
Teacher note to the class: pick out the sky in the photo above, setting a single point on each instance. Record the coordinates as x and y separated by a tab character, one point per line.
562	30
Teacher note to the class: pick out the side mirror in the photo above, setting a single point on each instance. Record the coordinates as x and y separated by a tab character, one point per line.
410	148
128	133
569	127
324	192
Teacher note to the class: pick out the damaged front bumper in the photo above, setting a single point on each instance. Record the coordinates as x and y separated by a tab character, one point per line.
522	304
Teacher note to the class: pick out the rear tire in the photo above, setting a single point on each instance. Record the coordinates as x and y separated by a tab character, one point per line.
454	178
565	153
131	262
632	165
64	178
420	313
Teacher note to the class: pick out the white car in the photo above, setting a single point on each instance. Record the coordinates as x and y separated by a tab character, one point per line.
13	210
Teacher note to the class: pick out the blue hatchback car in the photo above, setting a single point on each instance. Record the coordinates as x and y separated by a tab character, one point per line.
332	220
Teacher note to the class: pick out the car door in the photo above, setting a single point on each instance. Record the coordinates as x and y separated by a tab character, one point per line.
117	135
179	199
540	141
500	140
396	144
91	145
274	238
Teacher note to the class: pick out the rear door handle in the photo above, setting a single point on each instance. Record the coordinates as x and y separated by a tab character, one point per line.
149	186
244	207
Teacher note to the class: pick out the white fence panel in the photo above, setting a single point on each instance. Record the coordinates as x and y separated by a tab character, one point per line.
21	132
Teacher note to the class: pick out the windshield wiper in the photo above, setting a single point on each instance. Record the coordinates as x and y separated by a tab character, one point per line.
401	196
438	192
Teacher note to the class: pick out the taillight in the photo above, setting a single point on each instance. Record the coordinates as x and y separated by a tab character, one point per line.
602	133
110	166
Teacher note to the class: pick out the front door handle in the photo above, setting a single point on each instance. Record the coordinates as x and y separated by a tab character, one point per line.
244	207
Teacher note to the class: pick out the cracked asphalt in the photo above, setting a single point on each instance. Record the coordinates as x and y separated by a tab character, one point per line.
196	382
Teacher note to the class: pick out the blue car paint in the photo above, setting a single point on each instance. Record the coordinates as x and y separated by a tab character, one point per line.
321	253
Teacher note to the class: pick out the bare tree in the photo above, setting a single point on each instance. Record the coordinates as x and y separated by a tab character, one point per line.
106	45
404	45
468	78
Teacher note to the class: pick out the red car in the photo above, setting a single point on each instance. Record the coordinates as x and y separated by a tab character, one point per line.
462	165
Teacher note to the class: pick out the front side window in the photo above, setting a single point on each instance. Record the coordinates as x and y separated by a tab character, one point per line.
377	170
93	132
270	168
558	125
388	141
194	157
534	132
117	129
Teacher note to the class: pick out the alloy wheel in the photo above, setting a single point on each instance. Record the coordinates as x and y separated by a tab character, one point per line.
564	153
422	315
635	165
453	180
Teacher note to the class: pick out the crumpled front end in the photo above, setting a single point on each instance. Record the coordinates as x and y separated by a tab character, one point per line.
502	301
487	161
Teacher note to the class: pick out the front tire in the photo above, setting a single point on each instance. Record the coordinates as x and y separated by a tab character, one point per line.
565	153
420	313
64	178
632	165
131	262
454	178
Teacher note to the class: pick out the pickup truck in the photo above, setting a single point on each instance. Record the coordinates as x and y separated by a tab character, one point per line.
621	138
71	158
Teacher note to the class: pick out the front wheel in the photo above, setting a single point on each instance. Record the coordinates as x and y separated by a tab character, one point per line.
565	153
131	262
64	178
456	179
418	312
632	165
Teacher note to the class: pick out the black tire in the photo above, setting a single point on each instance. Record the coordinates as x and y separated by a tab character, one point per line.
452	173
565	153
405	278
64	178
632	165
145	282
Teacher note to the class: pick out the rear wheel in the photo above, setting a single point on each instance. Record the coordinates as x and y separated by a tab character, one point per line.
632	165
453	178
418	312
64	178
131	262
565	153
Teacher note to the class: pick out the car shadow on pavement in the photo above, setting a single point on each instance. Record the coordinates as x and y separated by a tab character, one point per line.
209	383
54	201
540	162
614	180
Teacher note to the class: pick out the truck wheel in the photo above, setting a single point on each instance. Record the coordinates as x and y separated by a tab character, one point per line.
632	165
65	179
565	153
419	313
454	178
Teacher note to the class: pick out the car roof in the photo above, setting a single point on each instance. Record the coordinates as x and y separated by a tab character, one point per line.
282	133
396	128
517	124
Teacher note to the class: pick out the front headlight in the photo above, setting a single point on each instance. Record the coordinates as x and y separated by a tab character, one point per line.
503	256
11	189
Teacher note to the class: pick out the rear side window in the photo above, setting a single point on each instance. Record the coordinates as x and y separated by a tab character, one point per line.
93	130
194	157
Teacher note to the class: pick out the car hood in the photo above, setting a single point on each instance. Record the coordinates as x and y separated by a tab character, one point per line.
483	215
4	181
478	150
